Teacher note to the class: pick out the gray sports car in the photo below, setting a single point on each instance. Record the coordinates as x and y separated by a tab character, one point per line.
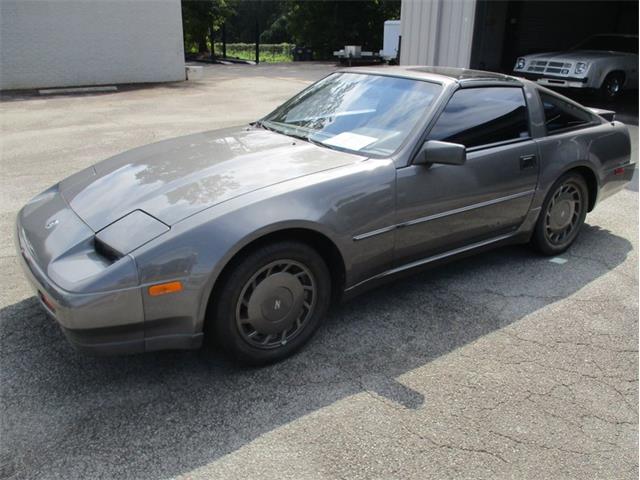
244	236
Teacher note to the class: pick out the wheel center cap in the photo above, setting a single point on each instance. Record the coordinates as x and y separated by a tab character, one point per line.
277	305
561	215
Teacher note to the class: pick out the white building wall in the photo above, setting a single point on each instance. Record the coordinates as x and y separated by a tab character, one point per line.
72	43
437	32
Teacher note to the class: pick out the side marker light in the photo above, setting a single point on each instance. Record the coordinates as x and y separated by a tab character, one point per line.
164	288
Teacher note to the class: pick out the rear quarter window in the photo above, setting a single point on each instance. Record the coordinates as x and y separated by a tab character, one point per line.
481	116
560	116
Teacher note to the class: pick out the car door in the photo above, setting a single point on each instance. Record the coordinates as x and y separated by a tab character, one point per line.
443	207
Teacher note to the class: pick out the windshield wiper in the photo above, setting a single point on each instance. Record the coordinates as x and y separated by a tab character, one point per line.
299	136
307	138
316	142
260	123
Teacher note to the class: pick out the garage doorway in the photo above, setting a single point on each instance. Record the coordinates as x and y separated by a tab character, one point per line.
505	30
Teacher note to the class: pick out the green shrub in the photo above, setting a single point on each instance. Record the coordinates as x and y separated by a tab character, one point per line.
269	52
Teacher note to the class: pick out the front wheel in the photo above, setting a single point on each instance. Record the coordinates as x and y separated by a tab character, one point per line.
271	303
562	215
612	86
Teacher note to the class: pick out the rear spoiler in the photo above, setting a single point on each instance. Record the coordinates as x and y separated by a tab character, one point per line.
608	115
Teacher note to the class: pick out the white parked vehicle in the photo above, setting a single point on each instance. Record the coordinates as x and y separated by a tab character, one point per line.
604	62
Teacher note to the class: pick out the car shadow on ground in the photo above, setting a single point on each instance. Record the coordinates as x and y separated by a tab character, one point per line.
162	414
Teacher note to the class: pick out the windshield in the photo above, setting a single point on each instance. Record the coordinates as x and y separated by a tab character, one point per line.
613	43
371	114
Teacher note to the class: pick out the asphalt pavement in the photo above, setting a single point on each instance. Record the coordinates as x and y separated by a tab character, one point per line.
502	365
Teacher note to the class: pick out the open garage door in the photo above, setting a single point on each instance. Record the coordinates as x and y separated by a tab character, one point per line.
505	30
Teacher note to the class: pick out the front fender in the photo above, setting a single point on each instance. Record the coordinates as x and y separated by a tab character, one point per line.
602	68
336	204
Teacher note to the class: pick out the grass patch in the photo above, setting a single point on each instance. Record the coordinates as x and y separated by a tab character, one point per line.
269	52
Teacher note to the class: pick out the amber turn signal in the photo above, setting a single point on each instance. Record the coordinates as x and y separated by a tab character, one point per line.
164	288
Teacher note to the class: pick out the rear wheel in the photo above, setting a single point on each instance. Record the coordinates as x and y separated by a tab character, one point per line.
271	303
563	213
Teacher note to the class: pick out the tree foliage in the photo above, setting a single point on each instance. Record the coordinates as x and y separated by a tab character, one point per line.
200	17
329	25
241	26
323	25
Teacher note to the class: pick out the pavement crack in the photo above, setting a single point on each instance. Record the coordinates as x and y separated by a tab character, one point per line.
482	451
542	446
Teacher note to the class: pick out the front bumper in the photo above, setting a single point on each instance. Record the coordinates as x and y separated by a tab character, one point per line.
99	323
553	81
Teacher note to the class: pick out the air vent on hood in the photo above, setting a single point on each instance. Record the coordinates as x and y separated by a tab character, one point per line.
105	250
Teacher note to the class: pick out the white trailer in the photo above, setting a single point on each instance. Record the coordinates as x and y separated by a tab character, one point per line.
391	40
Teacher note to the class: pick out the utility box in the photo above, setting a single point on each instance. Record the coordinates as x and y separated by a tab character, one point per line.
302	54
390	40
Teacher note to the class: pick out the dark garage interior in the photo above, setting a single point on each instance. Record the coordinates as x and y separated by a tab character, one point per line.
505	30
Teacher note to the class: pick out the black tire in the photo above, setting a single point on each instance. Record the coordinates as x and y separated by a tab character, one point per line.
612	85
562	214
259	299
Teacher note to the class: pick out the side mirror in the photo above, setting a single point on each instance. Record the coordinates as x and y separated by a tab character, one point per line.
446	153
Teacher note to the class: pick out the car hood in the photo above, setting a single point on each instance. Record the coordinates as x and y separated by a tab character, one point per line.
574	55
176	178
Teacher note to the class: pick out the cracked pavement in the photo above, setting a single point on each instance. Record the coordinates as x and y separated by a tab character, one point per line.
502	365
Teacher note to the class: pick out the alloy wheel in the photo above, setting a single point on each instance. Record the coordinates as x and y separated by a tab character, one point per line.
275	304
563	213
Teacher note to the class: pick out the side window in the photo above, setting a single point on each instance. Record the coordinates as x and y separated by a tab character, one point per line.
560	115
482	116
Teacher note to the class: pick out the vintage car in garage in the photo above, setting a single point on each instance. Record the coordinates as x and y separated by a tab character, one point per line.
606	63
243	237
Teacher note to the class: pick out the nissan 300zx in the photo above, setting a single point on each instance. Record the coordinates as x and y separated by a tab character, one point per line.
243	237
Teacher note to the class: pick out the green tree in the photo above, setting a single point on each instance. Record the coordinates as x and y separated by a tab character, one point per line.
241	26
200	18
328	25
278	31
323	25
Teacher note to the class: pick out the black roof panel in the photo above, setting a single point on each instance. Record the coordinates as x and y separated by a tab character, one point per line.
462	74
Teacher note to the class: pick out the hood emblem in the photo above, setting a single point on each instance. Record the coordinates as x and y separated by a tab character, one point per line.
51	224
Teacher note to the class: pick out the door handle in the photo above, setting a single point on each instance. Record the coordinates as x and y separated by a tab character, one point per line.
527	162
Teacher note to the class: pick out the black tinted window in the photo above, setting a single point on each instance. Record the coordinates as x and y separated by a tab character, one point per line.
560	115
480	116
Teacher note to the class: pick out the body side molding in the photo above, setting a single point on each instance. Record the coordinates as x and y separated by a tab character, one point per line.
435	216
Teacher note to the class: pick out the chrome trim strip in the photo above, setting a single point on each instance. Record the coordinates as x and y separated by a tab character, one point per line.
465	209
433	258
503	143
435	216
373	233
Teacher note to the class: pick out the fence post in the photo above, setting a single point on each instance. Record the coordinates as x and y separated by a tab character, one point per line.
257	43
224	40
213	48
